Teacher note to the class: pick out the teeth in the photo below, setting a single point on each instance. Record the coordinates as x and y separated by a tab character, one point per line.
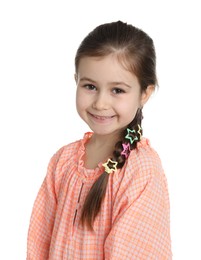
103	117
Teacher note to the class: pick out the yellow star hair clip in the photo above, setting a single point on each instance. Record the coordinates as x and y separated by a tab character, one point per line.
110	166
139	131
131	135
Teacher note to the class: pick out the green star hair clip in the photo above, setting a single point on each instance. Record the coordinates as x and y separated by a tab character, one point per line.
131	135
110	166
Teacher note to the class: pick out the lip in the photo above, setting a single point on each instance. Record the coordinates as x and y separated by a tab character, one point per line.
100	118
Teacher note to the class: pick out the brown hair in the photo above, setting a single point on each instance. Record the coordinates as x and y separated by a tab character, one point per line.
135	50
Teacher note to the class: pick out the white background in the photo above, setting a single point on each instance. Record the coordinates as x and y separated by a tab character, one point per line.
38	41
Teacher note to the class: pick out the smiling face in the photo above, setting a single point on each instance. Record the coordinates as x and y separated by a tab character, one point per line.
108	95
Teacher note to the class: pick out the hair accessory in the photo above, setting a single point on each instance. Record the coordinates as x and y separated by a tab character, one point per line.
139	131
126	150
131	135
110	166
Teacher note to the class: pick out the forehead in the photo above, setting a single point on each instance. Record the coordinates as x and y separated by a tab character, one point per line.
108	67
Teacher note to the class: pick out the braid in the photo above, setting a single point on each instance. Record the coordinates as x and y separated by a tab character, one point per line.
134	125
97	192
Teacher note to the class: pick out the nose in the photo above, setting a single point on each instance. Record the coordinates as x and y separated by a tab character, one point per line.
101	101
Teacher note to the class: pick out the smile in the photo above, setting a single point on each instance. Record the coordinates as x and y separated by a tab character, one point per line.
101	119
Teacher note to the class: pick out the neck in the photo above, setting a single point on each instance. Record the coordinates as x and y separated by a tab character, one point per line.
99	148
107	141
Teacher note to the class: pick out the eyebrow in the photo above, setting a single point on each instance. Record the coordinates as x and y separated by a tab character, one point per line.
121	83
111	83
87	79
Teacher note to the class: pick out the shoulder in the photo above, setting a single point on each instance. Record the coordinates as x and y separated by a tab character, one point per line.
144	169
144	166
144	158
141	180
68	150
63	154
68	154
60	162
72	149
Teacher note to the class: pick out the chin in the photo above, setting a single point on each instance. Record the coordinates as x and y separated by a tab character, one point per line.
102	132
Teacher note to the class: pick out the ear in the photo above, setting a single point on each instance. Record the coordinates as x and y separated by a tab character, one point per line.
146	94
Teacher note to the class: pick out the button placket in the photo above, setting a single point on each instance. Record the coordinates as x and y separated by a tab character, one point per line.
78	205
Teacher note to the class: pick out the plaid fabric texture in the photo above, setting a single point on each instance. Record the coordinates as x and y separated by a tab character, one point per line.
134	219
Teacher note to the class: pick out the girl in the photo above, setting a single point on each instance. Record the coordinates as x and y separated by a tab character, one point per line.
105	196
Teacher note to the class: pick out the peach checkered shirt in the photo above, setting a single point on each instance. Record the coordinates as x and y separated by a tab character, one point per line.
134	218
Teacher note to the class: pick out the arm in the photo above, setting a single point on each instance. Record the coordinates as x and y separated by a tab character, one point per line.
141	230
42	218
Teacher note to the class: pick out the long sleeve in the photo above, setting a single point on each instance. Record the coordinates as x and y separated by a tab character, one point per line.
141	229
42	218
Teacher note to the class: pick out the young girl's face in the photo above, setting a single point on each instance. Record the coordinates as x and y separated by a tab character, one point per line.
108	95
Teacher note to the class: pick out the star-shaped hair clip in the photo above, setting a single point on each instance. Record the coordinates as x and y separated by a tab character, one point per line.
126	150
110	166
139	131
131	135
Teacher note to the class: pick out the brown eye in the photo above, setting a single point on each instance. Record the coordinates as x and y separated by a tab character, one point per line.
89	87
118	91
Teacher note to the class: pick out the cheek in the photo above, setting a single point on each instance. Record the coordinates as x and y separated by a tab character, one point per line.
129	105
128	108
82	102
79	95
78	100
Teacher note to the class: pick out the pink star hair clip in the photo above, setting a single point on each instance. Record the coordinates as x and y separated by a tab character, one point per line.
110	166
126	150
